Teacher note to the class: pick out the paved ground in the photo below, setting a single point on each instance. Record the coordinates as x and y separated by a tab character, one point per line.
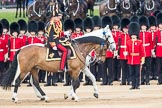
115	96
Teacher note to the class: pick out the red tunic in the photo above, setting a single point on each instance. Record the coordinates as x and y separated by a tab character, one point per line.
135	52
2	49
123	45
147	42
42	39
15	45
159	44
32	40
74	35
24	39
116	35
6	37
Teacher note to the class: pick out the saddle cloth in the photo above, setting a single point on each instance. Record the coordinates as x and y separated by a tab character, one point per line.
56	54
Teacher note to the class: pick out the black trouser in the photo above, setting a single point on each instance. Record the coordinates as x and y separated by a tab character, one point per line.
116	69
154	68
146	70
68	78
107	75
135	75
42	74
125	72
159	65
100	70
51	79
1	70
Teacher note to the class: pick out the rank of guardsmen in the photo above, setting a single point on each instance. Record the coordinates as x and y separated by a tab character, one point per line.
136	61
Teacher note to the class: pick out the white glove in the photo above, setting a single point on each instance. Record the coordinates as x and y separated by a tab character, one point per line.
6	57
153	53
115	53
125	53
67	33
54	48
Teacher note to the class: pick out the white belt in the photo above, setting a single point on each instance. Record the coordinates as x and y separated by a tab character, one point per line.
1	50
122	46
148	44
14	49
160	44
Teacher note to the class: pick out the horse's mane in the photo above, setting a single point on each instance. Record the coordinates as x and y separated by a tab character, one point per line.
94	37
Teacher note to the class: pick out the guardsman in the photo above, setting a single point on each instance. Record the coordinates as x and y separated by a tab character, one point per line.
77	33
69	25
158	47
23	30
124	37
2	52
88	26
33	30
135	54
145	37
32	37
78	28
107	76
116	33
153	29
14	43
5	36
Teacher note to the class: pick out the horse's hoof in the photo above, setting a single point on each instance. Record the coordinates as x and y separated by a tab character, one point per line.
13	99
42	99
95	95
72	98
65	96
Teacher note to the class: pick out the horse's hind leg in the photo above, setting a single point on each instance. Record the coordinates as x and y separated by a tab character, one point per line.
35	84
75	85
17	84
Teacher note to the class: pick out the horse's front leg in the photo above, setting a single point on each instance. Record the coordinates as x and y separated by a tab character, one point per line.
35	84
93	79
72	93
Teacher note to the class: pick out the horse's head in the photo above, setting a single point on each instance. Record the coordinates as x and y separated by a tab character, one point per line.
109	38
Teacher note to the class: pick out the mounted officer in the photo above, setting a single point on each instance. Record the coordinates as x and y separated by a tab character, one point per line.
54	32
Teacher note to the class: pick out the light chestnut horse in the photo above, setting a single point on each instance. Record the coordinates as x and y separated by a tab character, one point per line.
33	57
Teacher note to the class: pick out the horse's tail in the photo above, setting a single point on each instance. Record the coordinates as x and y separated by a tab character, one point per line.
10	74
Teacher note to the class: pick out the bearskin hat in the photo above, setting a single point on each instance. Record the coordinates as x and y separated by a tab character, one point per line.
152	20
97	21
23	24
155	13
143	20
78	23
106	20
41	26
116	20
32	26
88	23
5	24
14	27
133	28
1	29
69	24
124	23
159	18
134	19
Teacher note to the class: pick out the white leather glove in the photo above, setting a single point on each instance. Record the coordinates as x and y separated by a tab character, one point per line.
67	33
153	53
6	57
54	48
115	53
125	53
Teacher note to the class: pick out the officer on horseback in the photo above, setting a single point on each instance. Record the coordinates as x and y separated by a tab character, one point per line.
54	31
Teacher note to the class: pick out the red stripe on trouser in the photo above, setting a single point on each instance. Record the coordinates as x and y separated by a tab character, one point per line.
63	57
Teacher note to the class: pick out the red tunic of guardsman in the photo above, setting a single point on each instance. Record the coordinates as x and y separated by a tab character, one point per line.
123	47
2	49
75	35
23	30
41	35
15	43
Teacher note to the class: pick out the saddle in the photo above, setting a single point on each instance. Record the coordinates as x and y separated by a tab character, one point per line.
56	54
